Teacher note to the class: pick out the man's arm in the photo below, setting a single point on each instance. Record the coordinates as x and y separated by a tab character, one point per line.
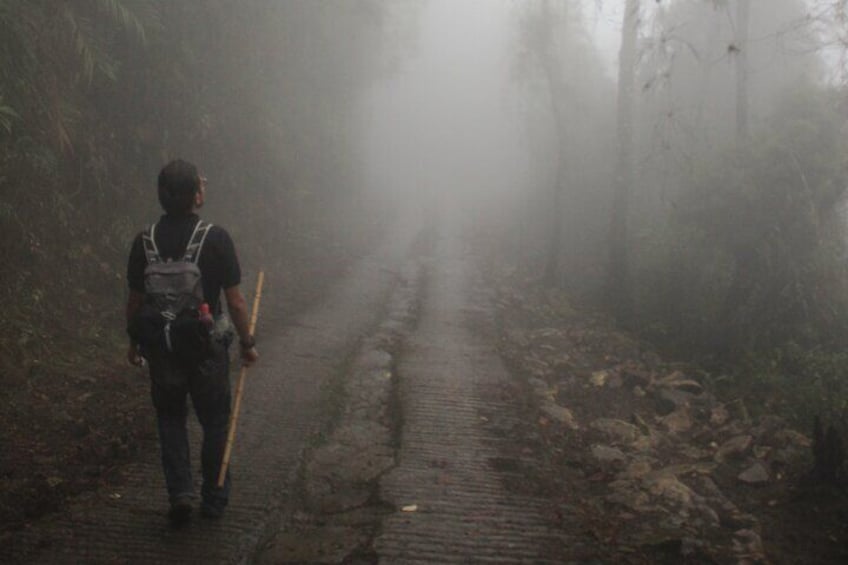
134	302
237	307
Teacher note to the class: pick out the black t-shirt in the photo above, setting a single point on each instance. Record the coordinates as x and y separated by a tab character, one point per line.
218	262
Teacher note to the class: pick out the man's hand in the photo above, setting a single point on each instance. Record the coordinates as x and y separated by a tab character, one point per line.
249	356
237	307
134	357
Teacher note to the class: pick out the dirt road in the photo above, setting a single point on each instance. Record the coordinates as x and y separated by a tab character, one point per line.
456	455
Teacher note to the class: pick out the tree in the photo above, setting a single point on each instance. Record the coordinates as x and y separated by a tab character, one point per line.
618	284
556	90
50	51
571	95
743	13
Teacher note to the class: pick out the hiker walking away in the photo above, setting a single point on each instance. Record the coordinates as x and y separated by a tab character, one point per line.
177	269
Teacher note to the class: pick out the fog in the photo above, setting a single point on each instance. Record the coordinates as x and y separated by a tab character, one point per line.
446	133
474	123
693	149
629	216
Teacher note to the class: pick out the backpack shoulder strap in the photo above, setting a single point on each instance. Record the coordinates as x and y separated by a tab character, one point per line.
148	239
195	244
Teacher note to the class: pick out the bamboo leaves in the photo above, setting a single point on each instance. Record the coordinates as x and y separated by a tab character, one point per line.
53	52
129	19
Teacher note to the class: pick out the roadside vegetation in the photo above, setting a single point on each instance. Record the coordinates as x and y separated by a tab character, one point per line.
95	96
731	127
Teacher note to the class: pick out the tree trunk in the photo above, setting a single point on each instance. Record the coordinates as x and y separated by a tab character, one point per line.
556	89
619	292
743	12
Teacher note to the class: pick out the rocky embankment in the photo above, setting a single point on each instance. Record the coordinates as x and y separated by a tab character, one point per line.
661	468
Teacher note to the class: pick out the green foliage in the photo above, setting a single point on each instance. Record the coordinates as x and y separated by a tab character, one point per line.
97	94
51	52
801	382
754	254
133	19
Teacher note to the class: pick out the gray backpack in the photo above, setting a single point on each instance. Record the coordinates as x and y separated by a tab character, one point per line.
174	289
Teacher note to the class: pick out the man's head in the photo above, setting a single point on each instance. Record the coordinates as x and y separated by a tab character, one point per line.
181	188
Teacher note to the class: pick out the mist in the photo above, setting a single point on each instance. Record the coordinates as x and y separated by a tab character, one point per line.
445	133
544	281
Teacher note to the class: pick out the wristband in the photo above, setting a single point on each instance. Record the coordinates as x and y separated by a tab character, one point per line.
249	343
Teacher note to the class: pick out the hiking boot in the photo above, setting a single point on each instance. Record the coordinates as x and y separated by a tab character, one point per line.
180	511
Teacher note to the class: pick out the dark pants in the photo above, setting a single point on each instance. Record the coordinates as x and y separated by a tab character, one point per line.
208	384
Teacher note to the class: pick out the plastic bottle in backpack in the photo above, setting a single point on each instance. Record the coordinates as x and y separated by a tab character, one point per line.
205	316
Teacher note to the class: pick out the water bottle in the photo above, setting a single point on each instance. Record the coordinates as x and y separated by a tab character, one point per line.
206	316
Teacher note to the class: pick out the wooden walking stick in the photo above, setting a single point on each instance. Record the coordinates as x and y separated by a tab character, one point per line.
231	434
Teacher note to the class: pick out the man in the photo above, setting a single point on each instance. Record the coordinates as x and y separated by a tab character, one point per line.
205	375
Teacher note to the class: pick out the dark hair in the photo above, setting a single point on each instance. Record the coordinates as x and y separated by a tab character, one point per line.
179	181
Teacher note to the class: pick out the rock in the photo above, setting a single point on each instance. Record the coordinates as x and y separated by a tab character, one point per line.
599	378
663	406
693	452
607	454
617	430
768	425
678	421
677	397
637	470
682	469
719	416
538	385
788	455
629	495
636	377
560	414
671	489
707	514
678	381
756	474
729	515
561	363
733	448
761	451
646	442
688	386
738	410
748	547
787	437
